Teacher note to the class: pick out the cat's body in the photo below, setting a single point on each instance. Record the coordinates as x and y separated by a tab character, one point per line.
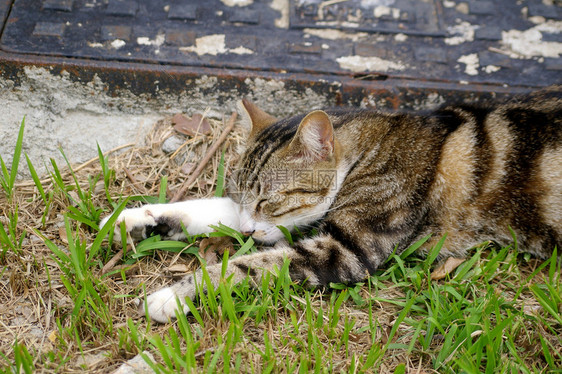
377	182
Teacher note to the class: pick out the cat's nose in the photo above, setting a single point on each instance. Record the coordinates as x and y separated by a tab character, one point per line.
248	232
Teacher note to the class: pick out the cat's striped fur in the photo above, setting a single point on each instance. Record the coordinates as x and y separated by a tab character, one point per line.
376	181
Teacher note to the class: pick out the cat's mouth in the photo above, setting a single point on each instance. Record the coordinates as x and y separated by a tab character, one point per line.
270	235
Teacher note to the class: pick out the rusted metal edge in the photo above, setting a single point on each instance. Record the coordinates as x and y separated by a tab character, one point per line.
141	78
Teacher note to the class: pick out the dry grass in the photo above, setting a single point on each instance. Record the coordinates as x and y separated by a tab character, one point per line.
32	296
36	309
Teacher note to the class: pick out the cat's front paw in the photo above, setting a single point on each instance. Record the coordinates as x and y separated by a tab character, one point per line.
139	223
161	306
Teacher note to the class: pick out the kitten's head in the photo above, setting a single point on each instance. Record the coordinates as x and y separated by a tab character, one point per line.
287	176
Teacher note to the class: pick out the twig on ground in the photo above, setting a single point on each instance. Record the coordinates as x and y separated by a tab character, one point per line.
111	263
205	159
130	176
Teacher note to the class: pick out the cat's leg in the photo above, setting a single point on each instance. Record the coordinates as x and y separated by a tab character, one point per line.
316	261
167	219
161	305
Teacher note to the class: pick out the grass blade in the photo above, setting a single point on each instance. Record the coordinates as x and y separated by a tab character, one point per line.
219	191
8	179
434	253
163	188
17	154
96	245
36	179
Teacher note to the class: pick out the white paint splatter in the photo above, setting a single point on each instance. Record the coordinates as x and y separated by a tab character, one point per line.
400	37
118	43
463	32
232	3
214	45
157	41
361	64
537	19
281	6
472	63
95	45
462	8
529	43
491	69
553	27
333	34
352	25
207	45
373	3
449	4
241	51
383	10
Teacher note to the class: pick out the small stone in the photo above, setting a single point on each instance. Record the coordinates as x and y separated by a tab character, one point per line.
18	321
36	332
172	144
136	365
75	199
99	187
35	239
25	310
92	360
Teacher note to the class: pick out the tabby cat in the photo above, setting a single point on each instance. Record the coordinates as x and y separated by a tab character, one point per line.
374	182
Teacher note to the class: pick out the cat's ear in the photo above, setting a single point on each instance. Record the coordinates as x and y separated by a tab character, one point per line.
254	119
314	140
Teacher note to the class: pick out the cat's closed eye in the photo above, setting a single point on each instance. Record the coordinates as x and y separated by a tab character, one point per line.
261	204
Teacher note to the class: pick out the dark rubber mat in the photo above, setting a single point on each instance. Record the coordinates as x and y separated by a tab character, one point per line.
476	42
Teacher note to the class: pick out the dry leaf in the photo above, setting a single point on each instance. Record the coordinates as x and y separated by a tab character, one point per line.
476	333
191	126
211	247
204	183
62	234
178	268
53	336
446	267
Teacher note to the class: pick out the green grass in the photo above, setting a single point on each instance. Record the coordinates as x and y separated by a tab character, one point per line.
8	178
460	325
498	312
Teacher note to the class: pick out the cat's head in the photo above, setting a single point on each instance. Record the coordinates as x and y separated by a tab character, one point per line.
288	174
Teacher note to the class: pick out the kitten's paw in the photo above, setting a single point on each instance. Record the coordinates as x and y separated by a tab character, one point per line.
161	305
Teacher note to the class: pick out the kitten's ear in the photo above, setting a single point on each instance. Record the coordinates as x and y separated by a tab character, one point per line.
255	119
314	140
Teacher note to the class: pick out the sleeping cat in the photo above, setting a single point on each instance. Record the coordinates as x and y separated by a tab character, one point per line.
375	182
